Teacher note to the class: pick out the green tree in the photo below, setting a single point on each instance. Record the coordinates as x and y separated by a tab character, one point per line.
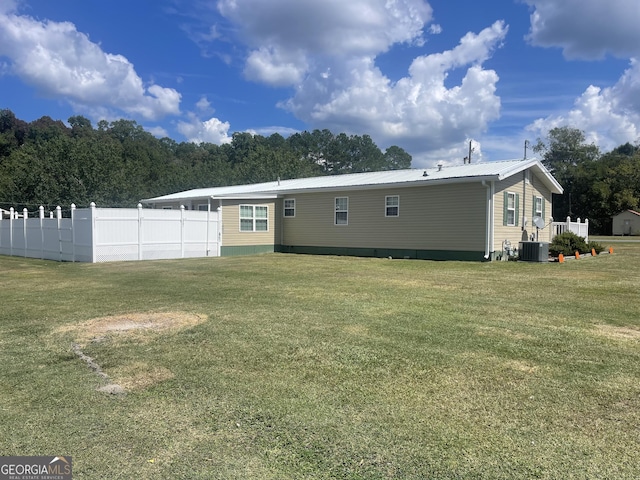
395	158
564	153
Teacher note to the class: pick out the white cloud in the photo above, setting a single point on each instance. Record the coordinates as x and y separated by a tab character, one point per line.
587	29
284	34
590	29
209	131
607	116
418	112
271	66
59	61
158	132
204	105
326	50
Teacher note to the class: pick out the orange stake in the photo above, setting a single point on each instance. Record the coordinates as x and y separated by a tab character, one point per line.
610	249
561	258
577	255
593	252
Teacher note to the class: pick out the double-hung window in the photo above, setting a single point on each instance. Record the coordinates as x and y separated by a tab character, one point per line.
254	218
392	206
289	207
511	201
342	211
538	207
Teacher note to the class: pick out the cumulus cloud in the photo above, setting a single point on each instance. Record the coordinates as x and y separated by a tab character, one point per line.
587	29
327	50
608	116
209	131
60	61
418	111
283	34
591	29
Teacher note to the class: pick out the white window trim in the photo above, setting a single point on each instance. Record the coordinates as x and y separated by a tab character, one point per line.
253	218
509	194
284	208
336	211
387	206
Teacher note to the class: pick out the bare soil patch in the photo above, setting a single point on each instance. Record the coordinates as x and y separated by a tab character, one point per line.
97	329
138	375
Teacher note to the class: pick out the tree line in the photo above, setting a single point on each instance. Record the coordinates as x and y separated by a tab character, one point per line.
47	162
596	185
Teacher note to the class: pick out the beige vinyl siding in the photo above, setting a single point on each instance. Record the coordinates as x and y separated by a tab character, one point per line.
440	217
526	193
231	234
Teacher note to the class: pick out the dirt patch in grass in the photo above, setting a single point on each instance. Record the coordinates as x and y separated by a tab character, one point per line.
96	329
619	333
141	326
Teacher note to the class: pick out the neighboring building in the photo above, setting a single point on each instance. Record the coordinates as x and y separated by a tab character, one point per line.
463	212
626	223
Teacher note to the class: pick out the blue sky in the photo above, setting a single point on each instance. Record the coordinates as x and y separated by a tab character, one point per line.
426	76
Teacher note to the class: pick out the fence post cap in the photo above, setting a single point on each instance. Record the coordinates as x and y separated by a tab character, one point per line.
92	204
139	206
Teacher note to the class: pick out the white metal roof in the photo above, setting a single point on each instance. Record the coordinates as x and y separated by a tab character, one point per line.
410	177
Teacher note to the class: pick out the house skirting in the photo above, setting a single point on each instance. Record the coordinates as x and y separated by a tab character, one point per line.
229	251
385	253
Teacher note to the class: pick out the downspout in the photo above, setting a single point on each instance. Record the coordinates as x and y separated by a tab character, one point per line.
220	227
489	219
524	200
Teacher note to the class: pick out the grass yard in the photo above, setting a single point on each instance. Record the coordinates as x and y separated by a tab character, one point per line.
309	367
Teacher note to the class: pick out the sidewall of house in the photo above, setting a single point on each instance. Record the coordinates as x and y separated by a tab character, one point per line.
526	192
235	242
432	220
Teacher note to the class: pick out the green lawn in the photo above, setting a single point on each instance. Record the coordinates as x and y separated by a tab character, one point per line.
291	366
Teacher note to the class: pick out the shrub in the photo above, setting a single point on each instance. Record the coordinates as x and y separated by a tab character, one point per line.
596	246
568	243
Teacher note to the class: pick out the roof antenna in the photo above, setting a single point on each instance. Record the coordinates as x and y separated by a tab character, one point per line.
526	144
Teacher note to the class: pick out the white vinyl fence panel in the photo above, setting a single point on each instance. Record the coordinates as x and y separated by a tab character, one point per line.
112	234
579	228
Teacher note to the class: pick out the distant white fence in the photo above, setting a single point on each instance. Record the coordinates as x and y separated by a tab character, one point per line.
581	229
111	234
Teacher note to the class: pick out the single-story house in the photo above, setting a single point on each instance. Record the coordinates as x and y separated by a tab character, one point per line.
626	223
464	212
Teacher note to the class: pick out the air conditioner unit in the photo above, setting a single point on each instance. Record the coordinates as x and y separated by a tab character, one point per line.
534	251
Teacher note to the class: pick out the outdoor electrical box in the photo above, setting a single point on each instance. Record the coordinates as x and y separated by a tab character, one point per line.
534	251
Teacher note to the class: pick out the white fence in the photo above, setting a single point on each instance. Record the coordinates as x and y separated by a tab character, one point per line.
581	229
112	234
